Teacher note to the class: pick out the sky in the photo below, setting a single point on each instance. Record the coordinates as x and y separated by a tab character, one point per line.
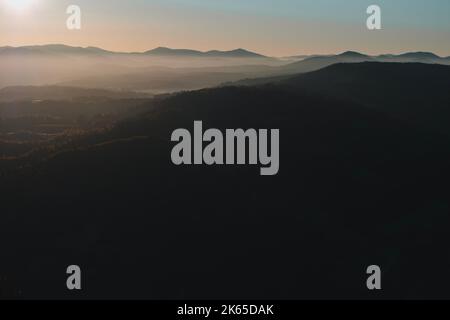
270	27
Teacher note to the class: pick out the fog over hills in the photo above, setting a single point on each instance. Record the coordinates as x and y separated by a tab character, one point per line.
164	70
61	64
202	77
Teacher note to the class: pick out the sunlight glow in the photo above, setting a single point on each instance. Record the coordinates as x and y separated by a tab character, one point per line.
19	5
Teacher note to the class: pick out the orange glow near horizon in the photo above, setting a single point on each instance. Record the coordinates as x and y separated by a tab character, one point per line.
139	26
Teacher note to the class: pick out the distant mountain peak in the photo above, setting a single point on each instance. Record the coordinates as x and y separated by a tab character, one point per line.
243	51
162	49
352	54
170	51
420	54
212	53
246	52
236	53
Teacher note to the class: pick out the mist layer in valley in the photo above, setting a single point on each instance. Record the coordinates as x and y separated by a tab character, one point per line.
164	70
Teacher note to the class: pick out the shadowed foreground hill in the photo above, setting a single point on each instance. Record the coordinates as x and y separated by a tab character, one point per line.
414	92
356	187
381	84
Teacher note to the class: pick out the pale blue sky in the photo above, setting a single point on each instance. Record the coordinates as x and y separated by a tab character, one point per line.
273	27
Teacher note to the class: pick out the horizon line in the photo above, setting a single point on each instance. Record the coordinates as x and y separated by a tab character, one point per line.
223	50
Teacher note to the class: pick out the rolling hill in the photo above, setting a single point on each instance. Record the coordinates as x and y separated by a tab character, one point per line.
412	91
237	53
318	62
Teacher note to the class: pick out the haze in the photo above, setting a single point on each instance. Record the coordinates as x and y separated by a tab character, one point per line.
274	28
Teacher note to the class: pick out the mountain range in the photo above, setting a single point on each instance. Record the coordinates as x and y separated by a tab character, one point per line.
164	70
236	53
59	49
